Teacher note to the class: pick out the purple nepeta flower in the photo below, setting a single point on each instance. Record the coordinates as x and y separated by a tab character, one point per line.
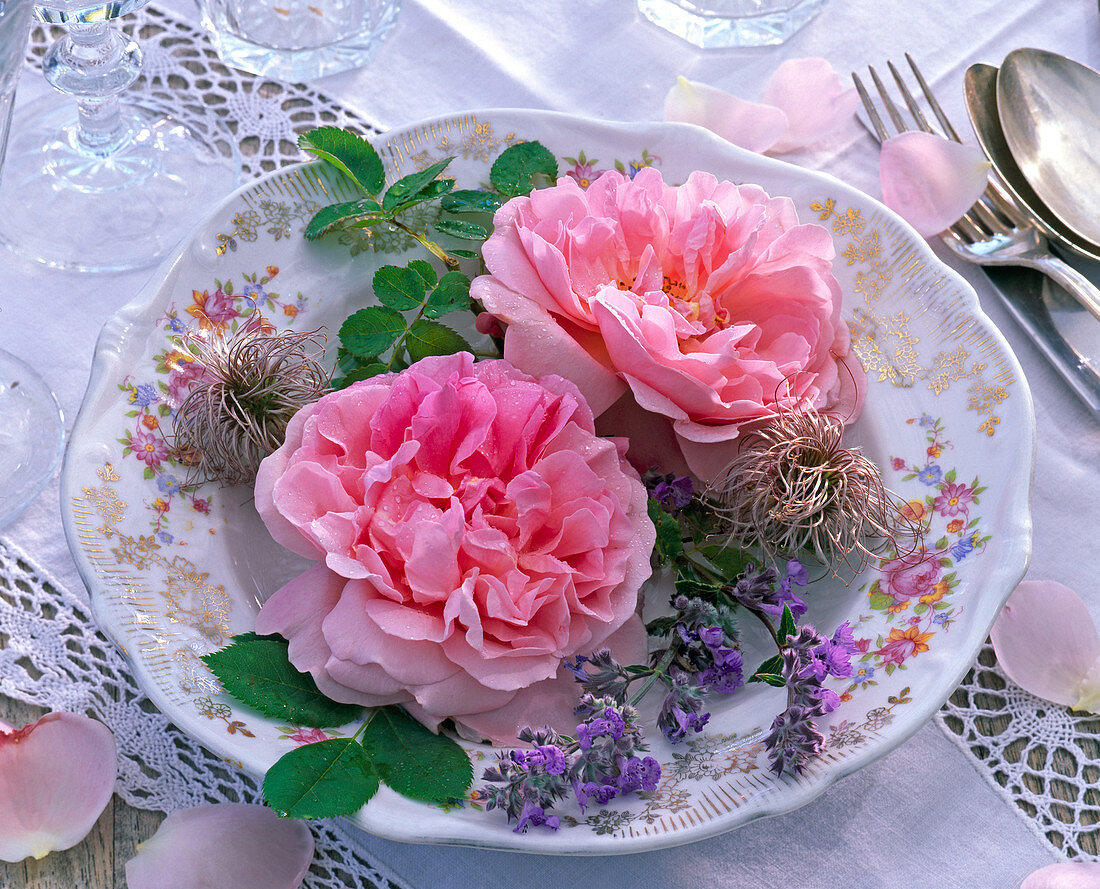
673	494
602	794
610	723
603	677
797	573
808	659
638	773
535	816
549	757
680	710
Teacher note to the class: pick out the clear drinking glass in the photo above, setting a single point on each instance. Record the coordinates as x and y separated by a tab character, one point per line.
31	428
298	40
98	184
720	24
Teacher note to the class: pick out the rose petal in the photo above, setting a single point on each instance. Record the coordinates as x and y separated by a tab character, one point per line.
1046	641
1066	875
56	777
930	181
810	93
228	844
746	124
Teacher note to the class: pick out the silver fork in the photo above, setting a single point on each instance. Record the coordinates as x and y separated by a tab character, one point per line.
995	231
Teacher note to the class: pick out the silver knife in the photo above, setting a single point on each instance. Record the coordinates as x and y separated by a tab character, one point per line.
1064	331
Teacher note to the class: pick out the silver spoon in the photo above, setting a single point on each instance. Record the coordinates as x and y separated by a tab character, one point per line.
980	85
1050	112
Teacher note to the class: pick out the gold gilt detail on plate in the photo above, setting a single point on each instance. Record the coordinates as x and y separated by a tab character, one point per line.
883	339
189	599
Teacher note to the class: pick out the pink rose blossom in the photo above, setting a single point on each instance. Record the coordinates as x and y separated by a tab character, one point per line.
708	302
954	499
911	576
473	531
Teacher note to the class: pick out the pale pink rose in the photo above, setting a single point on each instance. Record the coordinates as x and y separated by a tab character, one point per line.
473	531
911	576
709	302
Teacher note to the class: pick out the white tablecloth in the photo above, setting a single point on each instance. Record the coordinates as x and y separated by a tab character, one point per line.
921	816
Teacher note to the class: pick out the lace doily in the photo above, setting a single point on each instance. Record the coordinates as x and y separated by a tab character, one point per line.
52	656
181	73
1040	756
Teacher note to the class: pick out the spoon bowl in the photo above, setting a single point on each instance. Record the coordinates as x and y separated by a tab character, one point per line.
1049	108
980	85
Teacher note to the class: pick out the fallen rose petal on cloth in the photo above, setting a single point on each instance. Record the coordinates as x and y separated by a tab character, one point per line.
930	181
1065	875
813	99
1047	643
225	844
748	125
56	777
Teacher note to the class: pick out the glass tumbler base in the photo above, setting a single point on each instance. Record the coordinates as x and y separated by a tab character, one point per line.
32	434
297	40
721	24
67	208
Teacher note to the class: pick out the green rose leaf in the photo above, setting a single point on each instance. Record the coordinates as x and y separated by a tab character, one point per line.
452	293
512	172
413	761
256	670
362	372
471	201
773	679
698	589
429	192
352	155
334	216
409	187
670	539
432	338
467	231
473	254
729	561
399	287
426	271
371	331
322	780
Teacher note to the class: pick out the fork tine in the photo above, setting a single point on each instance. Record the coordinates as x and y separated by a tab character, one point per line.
914	109
872	112
887	102
936	109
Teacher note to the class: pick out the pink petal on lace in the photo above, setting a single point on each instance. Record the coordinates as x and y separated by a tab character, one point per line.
814	99
930	181
745	124
227	844
1067	875
56	777
1046	641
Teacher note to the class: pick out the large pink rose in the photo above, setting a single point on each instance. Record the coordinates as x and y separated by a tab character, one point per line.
473	531
708	301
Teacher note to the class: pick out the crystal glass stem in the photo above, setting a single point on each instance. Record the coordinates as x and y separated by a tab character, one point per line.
94	63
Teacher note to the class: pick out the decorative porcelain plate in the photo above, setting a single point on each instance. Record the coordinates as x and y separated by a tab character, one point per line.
174	573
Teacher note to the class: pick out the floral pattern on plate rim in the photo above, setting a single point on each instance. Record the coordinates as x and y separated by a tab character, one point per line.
155	398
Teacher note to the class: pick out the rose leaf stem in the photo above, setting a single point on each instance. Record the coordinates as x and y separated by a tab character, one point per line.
431	246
